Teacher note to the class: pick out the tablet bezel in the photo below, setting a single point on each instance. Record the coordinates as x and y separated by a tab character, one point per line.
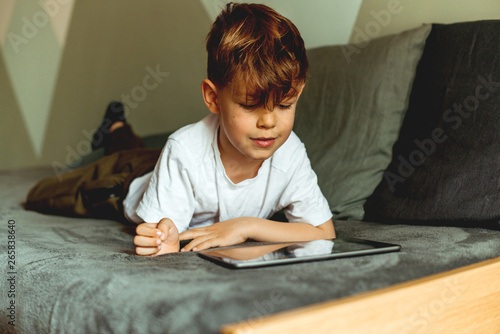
380	247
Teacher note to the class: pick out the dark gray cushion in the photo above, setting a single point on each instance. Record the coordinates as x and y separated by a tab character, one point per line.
350	113
446	164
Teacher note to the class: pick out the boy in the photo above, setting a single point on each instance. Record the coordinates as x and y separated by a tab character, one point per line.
257	67
217	181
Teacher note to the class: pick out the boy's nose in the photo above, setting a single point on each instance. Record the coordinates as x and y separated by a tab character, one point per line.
267	119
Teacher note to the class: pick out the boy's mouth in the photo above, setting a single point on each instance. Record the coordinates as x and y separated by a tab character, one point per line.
264	142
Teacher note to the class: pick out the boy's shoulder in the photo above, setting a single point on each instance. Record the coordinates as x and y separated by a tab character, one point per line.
291	145
204	129
290	154
196	139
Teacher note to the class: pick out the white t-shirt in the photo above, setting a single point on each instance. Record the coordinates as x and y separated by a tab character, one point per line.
189	184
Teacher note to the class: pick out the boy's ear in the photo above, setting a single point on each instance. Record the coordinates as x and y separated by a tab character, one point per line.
209	91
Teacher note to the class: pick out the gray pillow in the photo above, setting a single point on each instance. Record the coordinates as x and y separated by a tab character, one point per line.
350	114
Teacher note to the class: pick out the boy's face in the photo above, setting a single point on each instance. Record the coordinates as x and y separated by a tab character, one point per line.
249	131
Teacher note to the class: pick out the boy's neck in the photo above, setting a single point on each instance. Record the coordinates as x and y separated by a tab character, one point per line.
238	169
237	174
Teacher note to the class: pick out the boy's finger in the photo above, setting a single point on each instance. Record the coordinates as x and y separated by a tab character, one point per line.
142	241
185	236
188	247
208	243
193	245
165	223
146	250
148	229
193	233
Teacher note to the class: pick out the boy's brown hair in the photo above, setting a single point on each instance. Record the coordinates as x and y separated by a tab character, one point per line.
254	45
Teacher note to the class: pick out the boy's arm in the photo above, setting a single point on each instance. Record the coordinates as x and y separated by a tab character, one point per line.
233	231
268	230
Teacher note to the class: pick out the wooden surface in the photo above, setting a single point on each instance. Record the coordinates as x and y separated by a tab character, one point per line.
464	300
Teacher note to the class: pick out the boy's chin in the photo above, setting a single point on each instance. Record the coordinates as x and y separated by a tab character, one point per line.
261	155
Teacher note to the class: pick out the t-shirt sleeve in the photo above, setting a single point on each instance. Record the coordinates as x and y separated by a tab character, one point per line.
170	191
302	198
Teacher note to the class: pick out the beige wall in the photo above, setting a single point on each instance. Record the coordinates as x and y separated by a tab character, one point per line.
382	17
54	94
100	51
59	72
336	17
151	57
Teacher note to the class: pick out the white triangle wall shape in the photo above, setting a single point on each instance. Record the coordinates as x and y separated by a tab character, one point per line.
60	17
32	55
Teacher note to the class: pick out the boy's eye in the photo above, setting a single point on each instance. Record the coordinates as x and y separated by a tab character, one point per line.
254	106
248	106
285	106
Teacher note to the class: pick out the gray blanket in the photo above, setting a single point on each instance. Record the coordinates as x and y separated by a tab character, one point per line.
80	275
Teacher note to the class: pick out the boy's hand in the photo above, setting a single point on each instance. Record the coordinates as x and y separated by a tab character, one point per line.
225	233
154	239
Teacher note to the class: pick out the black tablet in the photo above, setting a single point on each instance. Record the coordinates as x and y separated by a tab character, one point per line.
284	253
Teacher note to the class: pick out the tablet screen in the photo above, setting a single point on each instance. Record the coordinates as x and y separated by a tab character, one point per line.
282	253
